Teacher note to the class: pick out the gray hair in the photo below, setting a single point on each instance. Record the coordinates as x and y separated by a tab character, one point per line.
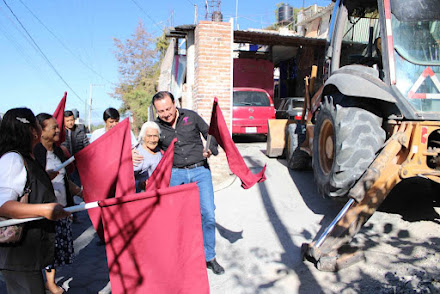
145	126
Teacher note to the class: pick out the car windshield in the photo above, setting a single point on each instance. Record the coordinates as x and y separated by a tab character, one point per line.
250	98
289	103
297	104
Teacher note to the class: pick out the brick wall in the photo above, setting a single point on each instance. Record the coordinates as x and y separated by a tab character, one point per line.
213	78
213	68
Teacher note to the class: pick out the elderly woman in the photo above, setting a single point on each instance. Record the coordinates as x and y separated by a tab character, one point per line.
50	156
148	141
21	263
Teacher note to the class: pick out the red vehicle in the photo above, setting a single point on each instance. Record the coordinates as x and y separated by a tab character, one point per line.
252	107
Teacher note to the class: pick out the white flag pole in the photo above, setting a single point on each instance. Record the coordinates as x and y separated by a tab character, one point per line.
76	208
208	142
65	163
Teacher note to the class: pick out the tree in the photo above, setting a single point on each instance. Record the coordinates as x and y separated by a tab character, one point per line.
139	61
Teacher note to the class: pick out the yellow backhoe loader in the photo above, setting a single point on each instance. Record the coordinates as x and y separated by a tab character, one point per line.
376	119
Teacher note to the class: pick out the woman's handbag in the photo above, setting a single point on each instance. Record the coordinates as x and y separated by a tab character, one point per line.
13	234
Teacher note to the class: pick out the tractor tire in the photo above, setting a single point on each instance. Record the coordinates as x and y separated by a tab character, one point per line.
345	143
296	158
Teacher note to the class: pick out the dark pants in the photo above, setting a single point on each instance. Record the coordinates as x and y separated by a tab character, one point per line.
24	282
74	177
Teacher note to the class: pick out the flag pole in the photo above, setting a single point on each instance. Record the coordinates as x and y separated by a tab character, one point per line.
208	142
76	208
65	163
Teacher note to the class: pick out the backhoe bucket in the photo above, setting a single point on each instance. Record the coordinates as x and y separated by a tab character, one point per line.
370	191
276	137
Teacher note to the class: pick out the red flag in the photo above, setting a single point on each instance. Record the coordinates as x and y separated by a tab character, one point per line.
59	116
220	131
154	242
161	176
106	169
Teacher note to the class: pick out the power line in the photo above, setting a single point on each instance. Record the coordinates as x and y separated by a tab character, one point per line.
19	48
25	37
14	42
42	53
65	47
154	22
22	49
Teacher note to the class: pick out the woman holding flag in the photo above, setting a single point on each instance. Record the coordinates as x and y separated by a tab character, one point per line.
50	156
21	262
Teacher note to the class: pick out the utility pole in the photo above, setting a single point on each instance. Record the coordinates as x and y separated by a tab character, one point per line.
195	14
85	114
206	10
90	106
172	18
236	14
90	103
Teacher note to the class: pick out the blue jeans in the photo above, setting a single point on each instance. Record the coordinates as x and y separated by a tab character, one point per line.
202	176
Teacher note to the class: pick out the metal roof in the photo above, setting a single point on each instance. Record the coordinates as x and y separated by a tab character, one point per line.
260	37
180	31
268	37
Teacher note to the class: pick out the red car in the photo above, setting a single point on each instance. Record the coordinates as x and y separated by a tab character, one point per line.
252	107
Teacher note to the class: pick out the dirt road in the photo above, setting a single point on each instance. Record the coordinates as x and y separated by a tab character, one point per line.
261	231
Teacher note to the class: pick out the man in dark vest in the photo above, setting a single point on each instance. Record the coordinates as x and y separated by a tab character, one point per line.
76	140
190	163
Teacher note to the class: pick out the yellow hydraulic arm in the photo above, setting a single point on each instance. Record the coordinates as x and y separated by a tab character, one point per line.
404	155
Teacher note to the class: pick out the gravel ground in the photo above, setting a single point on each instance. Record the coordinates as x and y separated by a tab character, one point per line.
260	232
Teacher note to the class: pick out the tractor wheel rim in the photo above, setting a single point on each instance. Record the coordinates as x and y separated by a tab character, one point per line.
326	146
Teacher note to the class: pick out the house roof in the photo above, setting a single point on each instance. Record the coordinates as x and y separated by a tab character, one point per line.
268	37
260	37
284	44
180	31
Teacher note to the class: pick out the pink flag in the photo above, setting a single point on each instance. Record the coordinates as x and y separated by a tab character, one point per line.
161	176
154	242
106	169
220	131
59	116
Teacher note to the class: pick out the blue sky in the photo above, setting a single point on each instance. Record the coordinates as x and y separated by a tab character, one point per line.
76	38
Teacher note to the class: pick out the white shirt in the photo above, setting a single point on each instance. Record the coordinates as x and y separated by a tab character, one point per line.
52	161
12	177
96	134
99	132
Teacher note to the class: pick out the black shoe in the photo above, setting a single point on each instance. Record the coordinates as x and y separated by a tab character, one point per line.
215	267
